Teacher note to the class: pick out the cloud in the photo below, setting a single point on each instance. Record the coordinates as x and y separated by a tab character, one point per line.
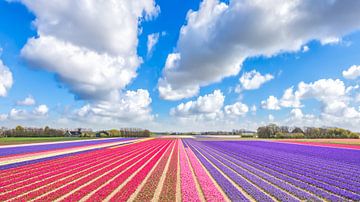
129	107
38	112
211	48
41	110
352	73
253	80
209	113
237	109
323	90
336	104
6	79
290	99
272	103
207	107
90	45
28	101
152	40
305	49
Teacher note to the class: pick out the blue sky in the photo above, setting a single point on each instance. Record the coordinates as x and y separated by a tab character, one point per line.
213	65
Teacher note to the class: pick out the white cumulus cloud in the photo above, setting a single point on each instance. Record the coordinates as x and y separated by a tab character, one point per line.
352	73
218	37
207	107
41	110
6	79
28	101
152	40
237	109
253	80
89	44
272	103
128	107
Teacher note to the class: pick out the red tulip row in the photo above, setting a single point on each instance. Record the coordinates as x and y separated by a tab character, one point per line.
49	164
66	167
168	192
148	190
63	178
114	178
125	192
97	172
9	183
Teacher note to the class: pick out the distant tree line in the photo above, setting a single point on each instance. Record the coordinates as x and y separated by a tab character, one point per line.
275	131
125	132
20	131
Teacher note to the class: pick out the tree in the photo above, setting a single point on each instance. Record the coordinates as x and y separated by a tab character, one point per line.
146	133
297	130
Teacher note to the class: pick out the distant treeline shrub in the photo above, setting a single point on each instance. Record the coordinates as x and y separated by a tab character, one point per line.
274	131
129	132
20	131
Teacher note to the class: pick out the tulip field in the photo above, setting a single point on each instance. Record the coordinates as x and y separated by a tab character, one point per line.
178	169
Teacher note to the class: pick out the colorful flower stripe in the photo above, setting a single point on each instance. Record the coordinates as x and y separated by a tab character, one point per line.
56	153
188	185
125	192
54	166
61	188
48	162
252	178
250	188
168	193
112	178
25	164
345	146
211	193
44	147
148	190
301	194
335	170
165	169
260	165
65	169
231	191
309	174
64	178
257	157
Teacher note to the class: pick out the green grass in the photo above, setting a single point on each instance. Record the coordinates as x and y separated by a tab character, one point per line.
26	140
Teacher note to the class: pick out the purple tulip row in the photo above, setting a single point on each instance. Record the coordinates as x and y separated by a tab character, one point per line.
45	147
337	172
262	159
317	162
347	185
292	189
345	156
231	191
285	177
324	176
252	190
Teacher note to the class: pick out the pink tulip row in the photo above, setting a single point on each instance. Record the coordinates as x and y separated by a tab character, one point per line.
188	185
210	191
